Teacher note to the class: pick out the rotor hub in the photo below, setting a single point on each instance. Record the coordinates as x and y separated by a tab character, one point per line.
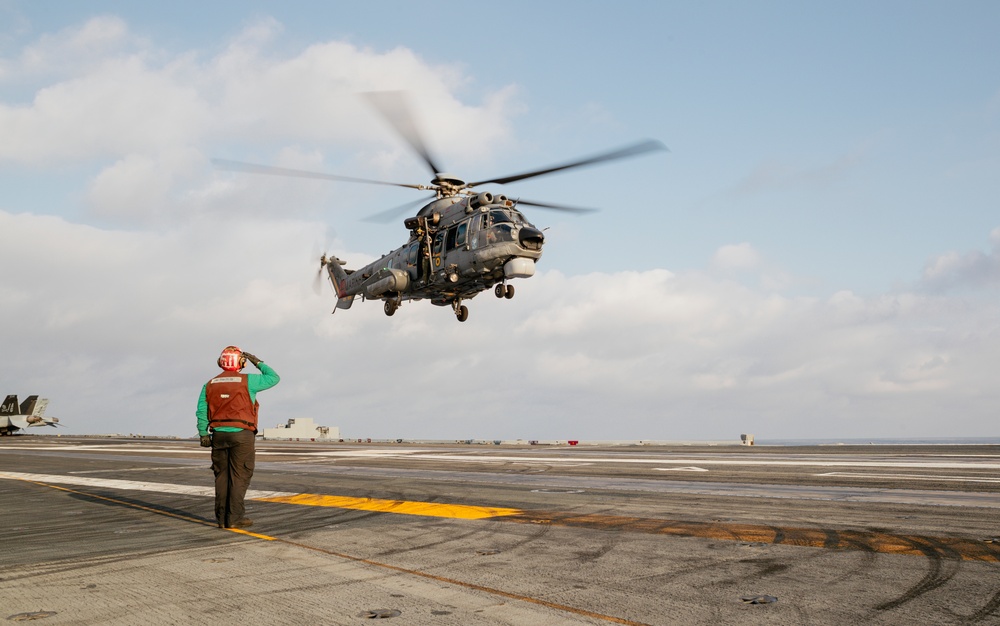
448	183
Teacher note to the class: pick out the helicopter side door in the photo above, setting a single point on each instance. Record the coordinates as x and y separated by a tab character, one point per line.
437	250
457	245
475	226
412	261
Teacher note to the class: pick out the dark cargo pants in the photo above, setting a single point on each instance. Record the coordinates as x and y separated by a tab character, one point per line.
232	462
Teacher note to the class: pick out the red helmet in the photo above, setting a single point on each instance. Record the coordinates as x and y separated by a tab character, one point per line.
232	359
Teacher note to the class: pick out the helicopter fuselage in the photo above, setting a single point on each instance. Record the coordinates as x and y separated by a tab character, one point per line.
459	246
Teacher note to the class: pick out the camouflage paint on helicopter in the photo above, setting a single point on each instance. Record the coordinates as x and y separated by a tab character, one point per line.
458	247
461	243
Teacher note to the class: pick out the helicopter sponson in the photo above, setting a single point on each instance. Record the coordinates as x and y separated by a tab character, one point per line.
458	247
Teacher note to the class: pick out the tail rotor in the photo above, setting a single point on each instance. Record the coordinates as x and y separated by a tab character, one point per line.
318	278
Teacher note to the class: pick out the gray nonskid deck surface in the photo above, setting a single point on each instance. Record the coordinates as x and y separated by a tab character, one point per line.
598	538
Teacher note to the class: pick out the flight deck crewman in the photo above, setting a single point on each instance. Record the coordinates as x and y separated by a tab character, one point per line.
227	408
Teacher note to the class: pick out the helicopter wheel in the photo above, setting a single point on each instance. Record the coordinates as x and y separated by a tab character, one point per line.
390	307
462	313
509	293
499	291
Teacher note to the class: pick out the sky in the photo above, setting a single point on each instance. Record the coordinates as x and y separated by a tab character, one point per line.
816	256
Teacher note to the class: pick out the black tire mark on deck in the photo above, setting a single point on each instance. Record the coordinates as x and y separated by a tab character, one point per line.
938	556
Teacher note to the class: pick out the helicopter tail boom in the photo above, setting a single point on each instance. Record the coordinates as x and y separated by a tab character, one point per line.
338	276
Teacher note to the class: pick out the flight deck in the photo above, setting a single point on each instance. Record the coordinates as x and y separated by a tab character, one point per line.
121	531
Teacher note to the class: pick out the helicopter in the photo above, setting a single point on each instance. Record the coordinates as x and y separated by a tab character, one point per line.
461	242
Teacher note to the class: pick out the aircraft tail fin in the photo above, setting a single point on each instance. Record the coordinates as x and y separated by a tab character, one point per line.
28	406
9	406
40	407
338	276
344	303
28	413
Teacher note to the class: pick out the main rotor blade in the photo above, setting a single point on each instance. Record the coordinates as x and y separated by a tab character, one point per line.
555	207
639	148
239	166
394	108
384	217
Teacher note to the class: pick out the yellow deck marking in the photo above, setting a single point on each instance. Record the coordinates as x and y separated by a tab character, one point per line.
402	507
250	534
871	541
443	579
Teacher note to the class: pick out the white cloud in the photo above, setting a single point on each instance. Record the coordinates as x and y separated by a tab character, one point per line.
740	256
141	186
123	101
954	270
133	315
121	106
743	261
73	48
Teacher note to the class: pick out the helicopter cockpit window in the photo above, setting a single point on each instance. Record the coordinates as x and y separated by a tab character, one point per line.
460	234
499	217
474	225
500	232
411	255
519	218
438	243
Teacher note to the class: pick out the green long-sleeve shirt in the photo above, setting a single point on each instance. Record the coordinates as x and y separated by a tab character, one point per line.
255	382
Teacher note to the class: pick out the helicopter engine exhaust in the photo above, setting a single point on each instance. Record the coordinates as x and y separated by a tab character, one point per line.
387	280
483	199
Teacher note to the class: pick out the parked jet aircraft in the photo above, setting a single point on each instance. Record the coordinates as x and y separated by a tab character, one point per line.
29	413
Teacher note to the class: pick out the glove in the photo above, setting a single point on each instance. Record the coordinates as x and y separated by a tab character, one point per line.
206	441
251	358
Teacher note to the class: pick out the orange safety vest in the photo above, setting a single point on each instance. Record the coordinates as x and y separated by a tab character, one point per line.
228	398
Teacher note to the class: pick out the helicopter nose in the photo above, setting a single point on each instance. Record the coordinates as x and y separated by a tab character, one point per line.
531	238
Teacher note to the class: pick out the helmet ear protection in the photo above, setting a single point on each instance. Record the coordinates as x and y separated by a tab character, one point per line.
232	359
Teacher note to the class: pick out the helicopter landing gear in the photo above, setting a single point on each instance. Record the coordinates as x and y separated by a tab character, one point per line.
390	307
461	311
502	291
